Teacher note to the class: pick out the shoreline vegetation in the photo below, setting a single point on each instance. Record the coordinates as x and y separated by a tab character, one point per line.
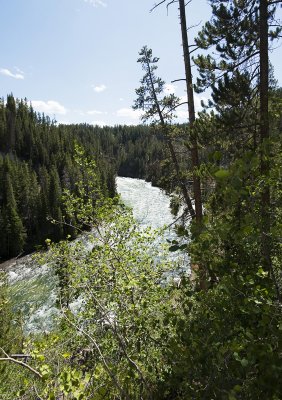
134	333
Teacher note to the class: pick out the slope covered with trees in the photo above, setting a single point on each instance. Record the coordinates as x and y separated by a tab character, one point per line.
37	165
218	333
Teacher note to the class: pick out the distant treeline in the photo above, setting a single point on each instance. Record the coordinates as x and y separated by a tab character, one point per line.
37	164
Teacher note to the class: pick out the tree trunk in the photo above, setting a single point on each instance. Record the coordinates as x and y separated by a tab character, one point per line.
266	243
264	137
191	113
178	174
193	135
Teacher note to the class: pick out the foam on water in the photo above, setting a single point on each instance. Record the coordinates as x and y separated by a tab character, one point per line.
34	287
150	205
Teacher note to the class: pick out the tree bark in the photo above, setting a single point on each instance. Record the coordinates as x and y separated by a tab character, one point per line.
191	114
266	242
193	135
264	137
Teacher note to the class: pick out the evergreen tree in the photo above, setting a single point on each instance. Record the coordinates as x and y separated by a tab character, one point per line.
11	123
40	155
55	193
3	124
240	33
13	230
160	110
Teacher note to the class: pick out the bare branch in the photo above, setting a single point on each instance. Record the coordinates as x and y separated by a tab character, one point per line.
178	105
177	80
192	51
157	5
161	2
171	2
194	26
23	364
20	356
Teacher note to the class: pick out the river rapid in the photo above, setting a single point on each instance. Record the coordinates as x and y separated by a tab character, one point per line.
34	288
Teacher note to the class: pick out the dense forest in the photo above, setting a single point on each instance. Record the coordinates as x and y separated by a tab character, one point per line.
139	333
37	165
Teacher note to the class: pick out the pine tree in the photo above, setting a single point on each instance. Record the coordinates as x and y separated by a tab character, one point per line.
11	122
159	109
13	230
2	125
240	32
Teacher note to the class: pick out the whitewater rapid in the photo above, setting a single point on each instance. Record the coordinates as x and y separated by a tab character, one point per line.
35	287
150	205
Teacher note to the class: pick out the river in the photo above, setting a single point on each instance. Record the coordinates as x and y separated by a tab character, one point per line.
34	288
150	204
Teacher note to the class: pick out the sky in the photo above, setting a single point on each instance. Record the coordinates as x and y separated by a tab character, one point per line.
75	60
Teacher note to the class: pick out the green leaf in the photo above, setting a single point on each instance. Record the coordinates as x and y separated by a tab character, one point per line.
217	156
222	174
244	362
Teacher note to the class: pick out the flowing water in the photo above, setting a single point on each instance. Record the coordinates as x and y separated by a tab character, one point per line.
33	287
150	205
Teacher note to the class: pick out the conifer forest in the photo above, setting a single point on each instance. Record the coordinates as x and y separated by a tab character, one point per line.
138	316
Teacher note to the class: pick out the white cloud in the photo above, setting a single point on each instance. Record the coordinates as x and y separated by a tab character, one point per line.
99	123
96	112
99	88
49	107
129	113
96	3
169	88
7	72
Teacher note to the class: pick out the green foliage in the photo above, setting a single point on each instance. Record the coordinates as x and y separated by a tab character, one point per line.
120	327
111	344
11	340
229	336
228	343
13	233
125	331
156	106
38	158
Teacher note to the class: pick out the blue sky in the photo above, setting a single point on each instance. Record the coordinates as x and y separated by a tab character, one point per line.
75	60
